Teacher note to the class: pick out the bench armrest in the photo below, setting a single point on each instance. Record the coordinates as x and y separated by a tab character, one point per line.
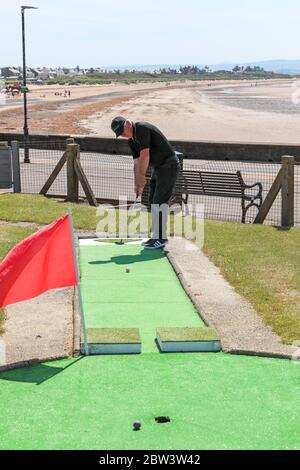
246	186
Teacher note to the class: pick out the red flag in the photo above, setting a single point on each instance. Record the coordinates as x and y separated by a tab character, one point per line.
43	261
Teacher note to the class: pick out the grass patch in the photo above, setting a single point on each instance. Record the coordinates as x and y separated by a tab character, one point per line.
113	335
9	237
187	334
43	210
263	264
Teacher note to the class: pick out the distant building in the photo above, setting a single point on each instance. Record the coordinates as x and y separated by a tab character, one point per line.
58	72
43	73
10	72
30	74
74	72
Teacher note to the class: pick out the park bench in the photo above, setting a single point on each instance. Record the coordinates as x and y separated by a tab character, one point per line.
217	184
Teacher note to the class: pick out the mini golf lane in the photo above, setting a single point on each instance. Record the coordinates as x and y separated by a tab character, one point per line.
126	286
215	401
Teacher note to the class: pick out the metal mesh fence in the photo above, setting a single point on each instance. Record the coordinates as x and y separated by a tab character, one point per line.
111	176
43	158
231	209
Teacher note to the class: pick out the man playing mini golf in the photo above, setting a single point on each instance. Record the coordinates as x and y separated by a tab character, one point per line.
150	147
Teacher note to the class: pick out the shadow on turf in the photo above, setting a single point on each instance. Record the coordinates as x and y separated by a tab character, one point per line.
37	374
130	259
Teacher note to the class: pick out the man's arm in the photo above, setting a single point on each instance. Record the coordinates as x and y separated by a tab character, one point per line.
140	169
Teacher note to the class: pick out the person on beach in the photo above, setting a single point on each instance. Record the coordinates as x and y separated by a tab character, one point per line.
149	147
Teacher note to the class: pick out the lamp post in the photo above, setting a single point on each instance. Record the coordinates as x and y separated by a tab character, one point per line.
24	87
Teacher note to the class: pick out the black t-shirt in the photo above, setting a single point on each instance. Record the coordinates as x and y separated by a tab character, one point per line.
145	135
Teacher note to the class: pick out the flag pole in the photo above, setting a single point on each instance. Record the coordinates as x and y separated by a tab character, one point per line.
86	347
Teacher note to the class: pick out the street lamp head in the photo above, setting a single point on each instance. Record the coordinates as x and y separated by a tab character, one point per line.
24	7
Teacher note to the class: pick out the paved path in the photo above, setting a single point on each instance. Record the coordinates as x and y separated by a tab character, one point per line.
39	329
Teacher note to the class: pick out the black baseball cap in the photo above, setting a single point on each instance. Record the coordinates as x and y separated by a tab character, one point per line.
117	125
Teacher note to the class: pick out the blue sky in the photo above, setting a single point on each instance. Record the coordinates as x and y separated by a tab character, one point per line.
105	32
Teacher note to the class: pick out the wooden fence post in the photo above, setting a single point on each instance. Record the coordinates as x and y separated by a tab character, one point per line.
269	200
75	174
284	181
84	181
288	191
72	178
56	170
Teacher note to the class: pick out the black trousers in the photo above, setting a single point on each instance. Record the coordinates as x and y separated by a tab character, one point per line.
162	184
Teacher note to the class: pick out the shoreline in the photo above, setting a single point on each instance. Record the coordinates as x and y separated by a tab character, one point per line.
232	111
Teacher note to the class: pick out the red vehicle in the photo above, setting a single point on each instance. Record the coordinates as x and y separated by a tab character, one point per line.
13	88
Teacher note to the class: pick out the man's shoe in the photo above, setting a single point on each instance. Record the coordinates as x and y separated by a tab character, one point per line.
155	244
147	242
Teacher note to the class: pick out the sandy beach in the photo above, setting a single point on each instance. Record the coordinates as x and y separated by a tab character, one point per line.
266	111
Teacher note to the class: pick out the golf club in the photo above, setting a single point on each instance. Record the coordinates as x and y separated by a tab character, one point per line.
132	210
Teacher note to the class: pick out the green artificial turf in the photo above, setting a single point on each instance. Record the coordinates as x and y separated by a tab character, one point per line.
147	297
215	401
117	240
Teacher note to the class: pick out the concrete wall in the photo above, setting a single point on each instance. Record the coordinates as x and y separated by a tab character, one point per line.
196	150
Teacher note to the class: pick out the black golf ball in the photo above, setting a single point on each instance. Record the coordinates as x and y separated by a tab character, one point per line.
137	425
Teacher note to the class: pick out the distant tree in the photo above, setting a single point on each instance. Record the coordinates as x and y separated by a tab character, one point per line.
255	69
193	70
258	69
